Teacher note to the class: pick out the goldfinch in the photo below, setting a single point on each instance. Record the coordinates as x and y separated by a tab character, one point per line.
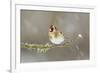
55	36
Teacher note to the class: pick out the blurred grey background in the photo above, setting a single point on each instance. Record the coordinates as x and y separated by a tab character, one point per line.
34	29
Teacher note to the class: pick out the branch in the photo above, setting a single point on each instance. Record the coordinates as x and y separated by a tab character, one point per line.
43	48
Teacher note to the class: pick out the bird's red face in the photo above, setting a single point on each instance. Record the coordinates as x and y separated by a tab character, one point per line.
51	28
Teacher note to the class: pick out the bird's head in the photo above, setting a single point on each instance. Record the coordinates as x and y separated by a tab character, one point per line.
52	28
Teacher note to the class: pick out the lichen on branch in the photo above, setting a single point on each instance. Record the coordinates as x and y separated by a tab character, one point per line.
43	48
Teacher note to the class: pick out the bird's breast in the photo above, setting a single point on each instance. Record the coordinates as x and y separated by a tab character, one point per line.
56	38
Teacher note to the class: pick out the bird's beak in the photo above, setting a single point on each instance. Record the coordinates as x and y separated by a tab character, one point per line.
49	29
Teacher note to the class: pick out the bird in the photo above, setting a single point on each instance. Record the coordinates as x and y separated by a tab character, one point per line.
55	36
